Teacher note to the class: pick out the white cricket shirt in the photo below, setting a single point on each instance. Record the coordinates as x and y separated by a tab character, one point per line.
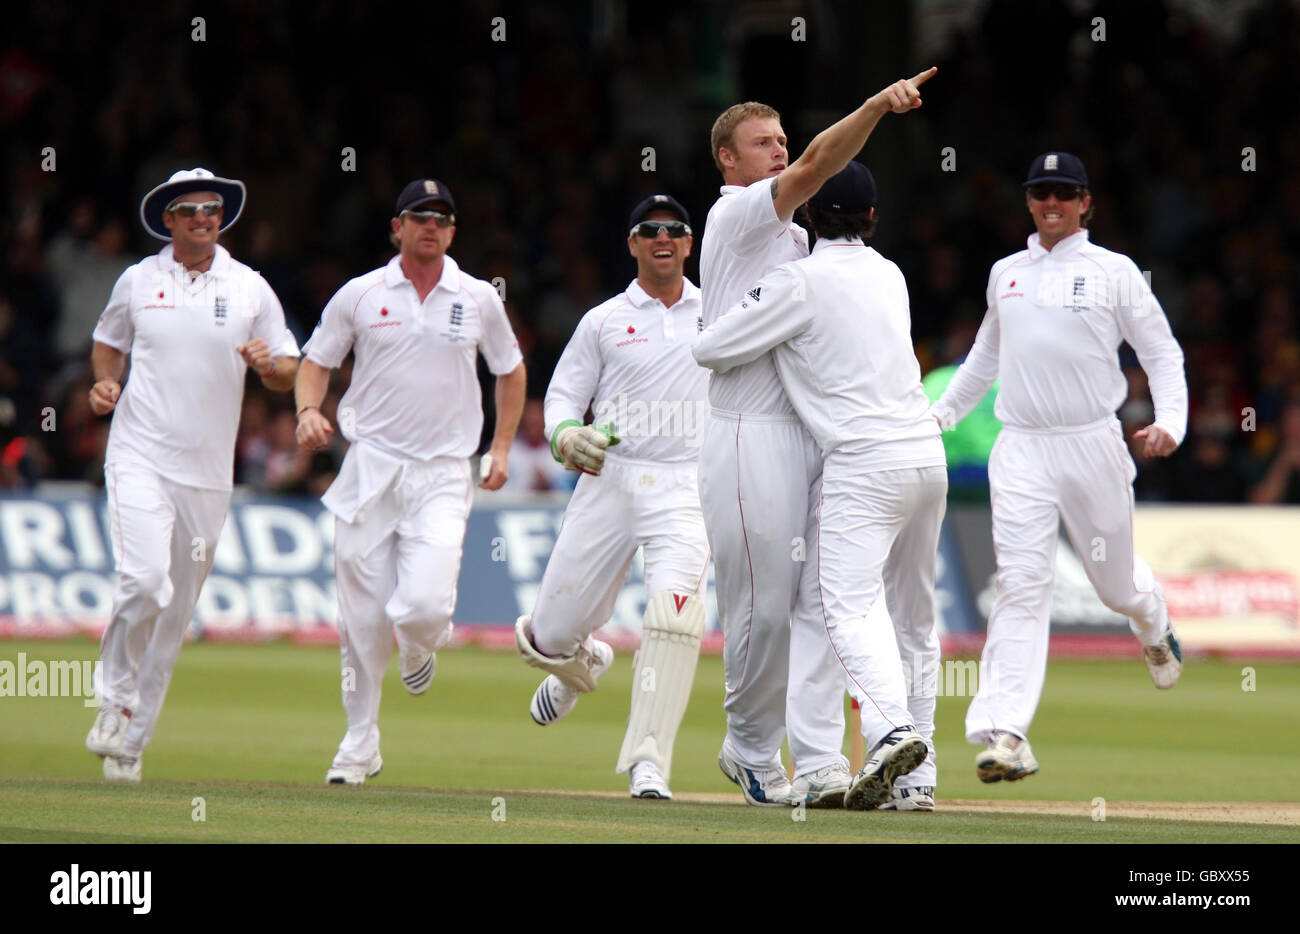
630	360
179	411
743	240
840	331
415	391
1052	332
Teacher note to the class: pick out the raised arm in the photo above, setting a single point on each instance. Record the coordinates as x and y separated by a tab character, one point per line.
832	148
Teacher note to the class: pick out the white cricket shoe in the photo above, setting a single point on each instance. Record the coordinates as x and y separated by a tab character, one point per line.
1164	661
920	798
646	781
824	788
354	774
1008	757
108	732
554	699
122	769
764	788
900	752
417	668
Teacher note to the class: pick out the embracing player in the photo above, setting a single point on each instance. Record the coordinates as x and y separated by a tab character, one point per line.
839	329
1057	313
630	354
760	468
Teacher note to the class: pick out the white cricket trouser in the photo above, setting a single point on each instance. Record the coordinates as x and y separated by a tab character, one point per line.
164	539
396	576
756	478
1083	477
632	504
878	538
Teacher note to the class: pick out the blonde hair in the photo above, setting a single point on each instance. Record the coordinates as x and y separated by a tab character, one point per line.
724	128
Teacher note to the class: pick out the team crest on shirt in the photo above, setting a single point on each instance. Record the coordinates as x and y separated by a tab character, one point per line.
455	323
219	309
1079	294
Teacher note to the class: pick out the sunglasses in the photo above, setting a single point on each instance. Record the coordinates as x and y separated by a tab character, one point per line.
1062	192
438	217
650	229
190	208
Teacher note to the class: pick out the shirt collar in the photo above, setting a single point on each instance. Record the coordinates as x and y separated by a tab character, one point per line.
822	242
220	261
732	189
450	278
639	299
1070	244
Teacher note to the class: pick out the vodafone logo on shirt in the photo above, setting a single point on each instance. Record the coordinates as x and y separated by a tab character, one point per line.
384	322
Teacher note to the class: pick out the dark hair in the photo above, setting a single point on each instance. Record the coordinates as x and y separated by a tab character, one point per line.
836	226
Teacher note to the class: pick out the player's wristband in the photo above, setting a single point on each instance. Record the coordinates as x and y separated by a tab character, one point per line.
555	437
269	372
306	407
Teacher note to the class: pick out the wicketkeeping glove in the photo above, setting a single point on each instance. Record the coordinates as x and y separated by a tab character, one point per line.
582	447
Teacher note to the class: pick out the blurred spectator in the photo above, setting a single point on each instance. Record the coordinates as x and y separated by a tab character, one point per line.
287	463
1279	481
19	456
84	263
531	465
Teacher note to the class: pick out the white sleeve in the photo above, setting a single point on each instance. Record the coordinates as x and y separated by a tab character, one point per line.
771	313
576	376
269	322
978	371
749	221
499	346
336	332
1143	323
114	328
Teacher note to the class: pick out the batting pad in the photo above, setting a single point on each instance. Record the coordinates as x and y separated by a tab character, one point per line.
664	670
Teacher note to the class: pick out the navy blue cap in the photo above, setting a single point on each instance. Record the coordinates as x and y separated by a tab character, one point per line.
1057	167
658	203
852	190
421	191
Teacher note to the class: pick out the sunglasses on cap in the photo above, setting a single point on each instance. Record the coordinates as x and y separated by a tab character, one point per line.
650	229
1062	192
441	218
190	208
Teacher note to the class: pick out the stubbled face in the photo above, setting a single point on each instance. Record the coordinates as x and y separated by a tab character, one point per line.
423	241
757	151
197	234
661	258
1057	219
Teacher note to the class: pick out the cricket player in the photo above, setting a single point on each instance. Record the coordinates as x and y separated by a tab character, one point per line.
193	320
760	466
838	327
629	361
413	414
1057	313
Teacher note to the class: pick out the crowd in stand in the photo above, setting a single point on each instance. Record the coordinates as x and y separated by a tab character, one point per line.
1188	133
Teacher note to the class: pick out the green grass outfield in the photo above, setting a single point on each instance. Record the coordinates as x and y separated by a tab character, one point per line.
251	730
